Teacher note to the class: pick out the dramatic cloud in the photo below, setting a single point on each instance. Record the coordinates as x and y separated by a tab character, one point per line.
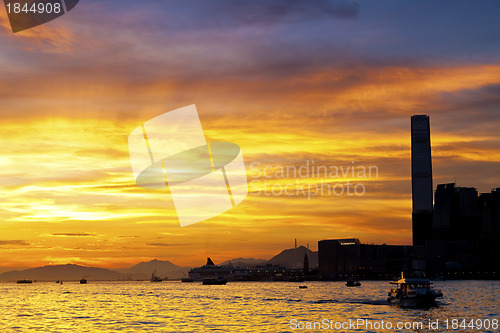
291	82
165	245
74	235
44	38
14	242
243	12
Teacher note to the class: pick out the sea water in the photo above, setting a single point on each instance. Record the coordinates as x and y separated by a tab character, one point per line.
240	307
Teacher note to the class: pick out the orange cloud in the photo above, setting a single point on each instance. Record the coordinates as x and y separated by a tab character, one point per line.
66	171
46	38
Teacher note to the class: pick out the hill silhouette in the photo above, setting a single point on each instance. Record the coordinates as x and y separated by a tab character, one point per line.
245	262
290	258
294	258
67	272
143	270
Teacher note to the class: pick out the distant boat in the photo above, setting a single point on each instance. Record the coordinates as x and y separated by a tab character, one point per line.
413	291
83	281
155	278
187	279
352	282
217	281
24	281
302	287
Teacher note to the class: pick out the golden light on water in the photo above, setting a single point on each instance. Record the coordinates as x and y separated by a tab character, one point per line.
242	307
71	96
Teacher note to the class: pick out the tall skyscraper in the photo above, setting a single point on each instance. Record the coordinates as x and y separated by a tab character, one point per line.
421	179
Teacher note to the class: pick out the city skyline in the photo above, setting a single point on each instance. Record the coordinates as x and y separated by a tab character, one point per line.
326	85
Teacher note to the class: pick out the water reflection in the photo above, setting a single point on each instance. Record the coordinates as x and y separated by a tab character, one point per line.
250	307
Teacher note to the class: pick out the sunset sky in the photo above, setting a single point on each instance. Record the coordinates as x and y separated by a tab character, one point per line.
289	81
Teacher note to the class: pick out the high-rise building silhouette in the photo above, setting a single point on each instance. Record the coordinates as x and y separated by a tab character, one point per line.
455	228
457	237
421	175
489	230
455	213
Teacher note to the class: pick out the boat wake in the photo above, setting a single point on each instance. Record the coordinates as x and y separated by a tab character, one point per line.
350	301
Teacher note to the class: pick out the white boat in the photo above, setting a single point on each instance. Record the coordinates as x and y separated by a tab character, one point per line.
413	291
211	271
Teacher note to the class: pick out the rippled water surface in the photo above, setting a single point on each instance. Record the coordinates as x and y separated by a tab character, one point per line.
235	307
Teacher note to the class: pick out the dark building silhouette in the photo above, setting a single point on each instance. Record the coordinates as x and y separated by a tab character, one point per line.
455	212
457	237
465	228
421	172
340	258
489	230
455	220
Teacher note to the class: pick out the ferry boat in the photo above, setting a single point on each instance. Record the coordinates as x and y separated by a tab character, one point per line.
83	281
210	271
24	281
413	291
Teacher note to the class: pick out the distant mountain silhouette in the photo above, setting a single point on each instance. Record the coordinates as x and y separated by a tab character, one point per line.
291	258
245	262
294	258
143	270
10	269
67	272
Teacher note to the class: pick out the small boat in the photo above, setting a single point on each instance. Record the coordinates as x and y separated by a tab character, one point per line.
24	281
187	279
83	281
302	287
352	282
155	278
217	281
413	291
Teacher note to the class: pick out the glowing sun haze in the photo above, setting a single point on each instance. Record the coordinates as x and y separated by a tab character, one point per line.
334	82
